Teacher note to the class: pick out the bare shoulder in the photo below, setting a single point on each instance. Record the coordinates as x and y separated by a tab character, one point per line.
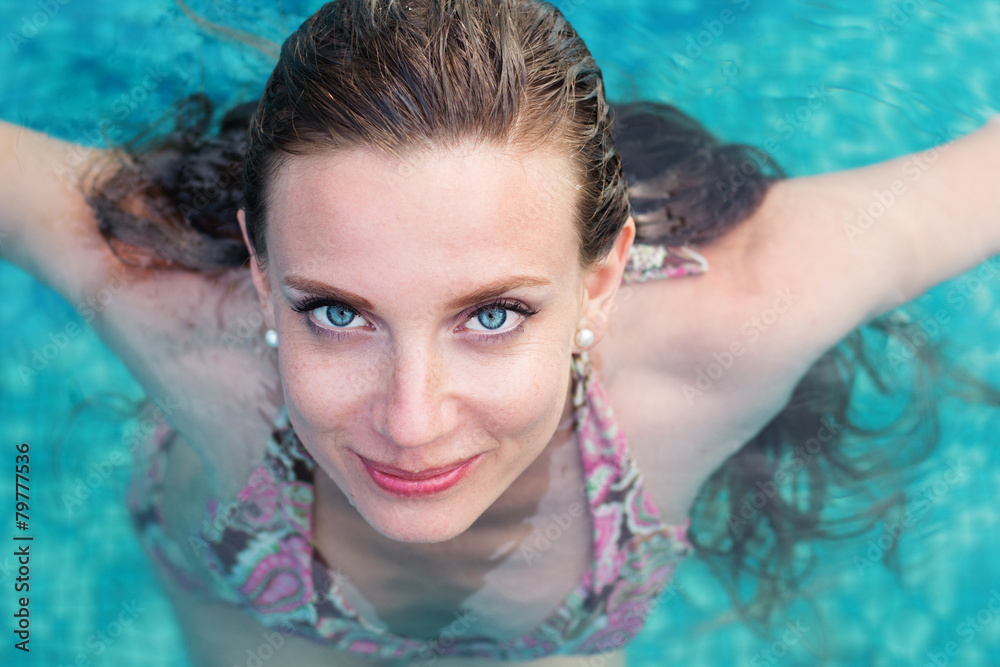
703	363
783	287
194	341
696	366
821	256
701	341
191	339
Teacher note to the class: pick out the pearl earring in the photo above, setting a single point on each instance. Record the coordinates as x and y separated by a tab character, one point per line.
584	338
271	338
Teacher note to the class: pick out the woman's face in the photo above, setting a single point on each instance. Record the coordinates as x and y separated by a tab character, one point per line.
426	310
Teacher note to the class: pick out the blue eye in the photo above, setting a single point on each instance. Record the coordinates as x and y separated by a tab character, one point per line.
494	318
330	318
336	316
495	323
339	316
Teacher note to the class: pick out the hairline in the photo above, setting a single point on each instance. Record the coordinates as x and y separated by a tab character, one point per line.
551	145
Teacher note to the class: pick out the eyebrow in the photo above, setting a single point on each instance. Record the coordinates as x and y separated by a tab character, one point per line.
484	293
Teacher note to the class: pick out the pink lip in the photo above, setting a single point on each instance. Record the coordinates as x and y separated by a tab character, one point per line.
418	484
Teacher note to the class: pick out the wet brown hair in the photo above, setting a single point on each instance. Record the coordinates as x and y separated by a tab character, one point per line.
505	73
403	76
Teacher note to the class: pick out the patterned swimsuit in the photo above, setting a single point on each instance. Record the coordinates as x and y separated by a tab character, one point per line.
259	551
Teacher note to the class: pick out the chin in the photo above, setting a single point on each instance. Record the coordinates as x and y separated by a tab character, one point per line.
419	523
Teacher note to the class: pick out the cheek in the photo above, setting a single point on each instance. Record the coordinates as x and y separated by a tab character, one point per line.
327	390
529	395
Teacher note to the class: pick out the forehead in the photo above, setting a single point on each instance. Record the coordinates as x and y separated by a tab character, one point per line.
443	213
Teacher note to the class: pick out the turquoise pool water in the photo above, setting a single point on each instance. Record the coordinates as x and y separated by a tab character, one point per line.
833	84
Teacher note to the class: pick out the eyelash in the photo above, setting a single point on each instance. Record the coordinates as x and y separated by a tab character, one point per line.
309	305
506	304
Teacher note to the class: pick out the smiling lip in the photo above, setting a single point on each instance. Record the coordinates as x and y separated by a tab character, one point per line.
417	484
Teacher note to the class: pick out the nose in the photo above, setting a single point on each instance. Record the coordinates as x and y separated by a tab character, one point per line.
416	409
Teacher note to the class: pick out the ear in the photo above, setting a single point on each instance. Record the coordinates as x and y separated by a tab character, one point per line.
258	275
602	283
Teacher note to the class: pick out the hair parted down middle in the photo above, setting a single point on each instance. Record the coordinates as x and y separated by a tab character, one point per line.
406	76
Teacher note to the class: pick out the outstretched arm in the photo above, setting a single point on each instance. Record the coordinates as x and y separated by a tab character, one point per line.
46	226
825	254
860	242
942	205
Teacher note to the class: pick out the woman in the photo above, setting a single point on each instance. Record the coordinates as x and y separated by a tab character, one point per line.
439	230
